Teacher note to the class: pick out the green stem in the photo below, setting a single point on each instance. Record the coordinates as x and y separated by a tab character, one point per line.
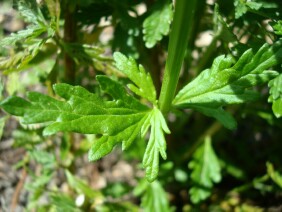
179	36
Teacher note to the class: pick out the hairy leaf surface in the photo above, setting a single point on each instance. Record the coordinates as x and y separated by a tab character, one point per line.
157	24
227	82
206	171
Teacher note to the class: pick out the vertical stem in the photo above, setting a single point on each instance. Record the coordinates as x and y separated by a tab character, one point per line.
179	36
69	37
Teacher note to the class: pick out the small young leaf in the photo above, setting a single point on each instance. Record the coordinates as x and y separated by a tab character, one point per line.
90	55
241	7
145	87
225	83
156	144
26	35
277	27
157	24
276	95
206	171
154	197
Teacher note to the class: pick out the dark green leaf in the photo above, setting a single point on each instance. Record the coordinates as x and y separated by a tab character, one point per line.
222	116
206	171
276	95
157	24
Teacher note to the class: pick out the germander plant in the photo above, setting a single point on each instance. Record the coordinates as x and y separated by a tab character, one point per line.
136	111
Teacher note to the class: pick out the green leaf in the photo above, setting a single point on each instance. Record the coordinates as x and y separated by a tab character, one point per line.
275	97
221	28
2	125
120	120
83	112
157	24
277	27
241	7
26	35
22	59
30	11
137	74
154	197
81	187
274	175
54	11
61	202
90	55
156	144
44	158
218	113
206	171
227	82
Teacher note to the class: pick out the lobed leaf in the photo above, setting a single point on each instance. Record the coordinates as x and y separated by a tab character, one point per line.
157	24
276	95
227	82
27	34
121	120
205	171
156	144
137	74
117	121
